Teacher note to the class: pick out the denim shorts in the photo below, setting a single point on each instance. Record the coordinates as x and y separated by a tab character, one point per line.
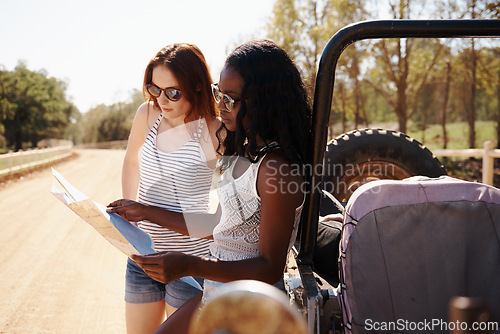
140	288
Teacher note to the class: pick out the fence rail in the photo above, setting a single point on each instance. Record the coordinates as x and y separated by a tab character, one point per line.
115	144
488	153
24	160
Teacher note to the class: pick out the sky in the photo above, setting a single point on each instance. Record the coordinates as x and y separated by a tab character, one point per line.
100	48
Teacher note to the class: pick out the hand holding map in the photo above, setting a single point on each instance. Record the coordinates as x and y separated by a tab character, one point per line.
125	236
120	233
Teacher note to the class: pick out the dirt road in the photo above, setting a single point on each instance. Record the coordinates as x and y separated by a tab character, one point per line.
57	275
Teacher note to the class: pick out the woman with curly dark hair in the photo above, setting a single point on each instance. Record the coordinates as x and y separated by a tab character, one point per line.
277	106
266	123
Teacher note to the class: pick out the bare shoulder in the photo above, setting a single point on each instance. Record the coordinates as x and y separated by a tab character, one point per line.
278	176
213	124
146	113
143	109
276	163
144	120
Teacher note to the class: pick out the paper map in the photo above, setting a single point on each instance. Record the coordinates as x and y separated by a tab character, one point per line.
120	233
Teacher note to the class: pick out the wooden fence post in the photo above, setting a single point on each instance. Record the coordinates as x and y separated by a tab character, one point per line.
488	162
20	159
11	163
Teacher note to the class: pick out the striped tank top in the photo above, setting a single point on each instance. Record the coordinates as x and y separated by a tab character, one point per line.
177	181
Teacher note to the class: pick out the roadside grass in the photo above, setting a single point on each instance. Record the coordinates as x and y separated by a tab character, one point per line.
19	160
458	135
458	138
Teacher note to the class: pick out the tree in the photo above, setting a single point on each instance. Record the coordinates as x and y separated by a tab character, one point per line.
394	79
447	11
303	28
107	123
403	66
445	104
471	106
33	106
350	63
497	53
285	27
6	106
492	10
470	59
296	26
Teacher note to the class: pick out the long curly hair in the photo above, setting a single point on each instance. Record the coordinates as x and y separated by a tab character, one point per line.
276	106
188	64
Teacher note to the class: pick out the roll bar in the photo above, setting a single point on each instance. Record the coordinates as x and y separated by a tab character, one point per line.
323	93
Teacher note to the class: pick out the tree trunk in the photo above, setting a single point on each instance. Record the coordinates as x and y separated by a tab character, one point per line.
357	118
445	105
471	112
498	104
402	86
358	94
360	116
401	105
363	109
34	139
18	140
424	124
342	107
402	123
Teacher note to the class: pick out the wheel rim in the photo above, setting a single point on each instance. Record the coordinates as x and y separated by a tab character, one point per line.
366	172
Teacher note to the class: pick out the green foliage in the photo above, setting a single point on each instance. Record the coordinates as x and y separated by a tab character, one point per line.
458	132
303	28
107	123
403	80
285	25
33	106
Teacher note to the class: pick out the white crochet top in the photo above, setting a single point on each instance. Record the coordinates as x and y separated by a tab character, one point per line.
236	237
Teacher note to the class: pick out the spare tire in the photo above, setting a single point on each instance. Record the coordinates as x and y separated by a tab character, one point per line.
358	157
365	155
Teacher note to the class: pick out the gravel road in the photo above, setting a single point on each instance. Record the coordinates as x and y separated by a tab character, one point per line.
57	274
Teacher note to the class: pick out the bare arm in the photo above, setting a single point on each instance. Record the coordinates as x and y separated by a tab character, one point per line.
130	169
277	218
209	141
200	225
196	225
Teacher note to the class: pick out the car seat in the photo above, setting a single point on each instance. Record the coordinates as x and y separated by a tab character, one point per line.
408	247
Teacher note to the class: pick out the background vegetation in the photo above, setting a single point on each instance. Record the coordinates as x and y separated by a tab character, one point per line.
443	92
402	81
33	106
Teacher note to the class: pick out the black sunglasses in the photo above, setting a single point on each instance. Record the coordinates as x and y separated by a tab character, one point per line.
173	94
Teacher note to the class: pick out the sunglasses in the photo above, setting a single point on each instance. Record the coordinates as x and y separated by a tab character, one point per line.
173	94
226	99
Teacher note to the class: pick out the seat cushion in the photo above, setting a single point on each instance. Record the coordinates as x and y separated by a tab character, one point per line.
409	246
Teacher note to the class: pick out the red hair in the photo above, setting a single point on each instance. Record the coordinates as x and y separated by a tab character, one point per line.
189	67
